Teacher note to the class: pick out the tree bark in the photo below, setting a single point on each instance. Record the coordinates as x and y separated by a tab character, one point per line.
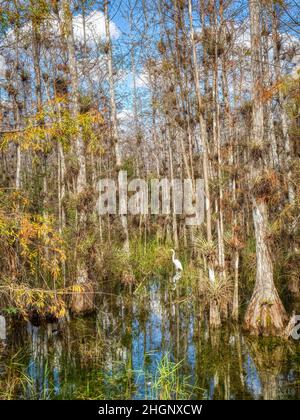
265	313
75	109
82	273
214	312
204	141
113	110
287	161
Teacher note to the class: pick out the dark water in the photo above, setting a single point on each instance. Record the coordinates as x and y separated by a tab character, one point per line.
130	350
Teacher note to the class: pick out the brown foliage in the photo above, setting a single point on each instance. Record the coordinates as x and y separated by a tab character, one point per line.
266	186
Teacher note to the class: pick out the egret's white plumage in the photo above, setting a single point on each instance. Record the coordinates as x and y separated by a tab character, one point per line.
176	262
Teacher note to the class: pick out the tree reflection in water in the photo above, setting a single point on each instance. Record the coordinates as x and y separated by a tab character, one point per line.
118	353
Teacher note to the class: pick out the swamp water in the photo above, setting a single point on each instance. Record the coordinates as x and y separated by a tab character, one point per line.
149	345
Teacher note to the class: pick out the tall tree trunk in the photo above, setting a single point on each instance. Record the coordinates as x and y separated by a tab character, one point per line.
214	313
217	144
113	110
287	161
231	139
36	55
268	105
265	313
75	108
82	301
204	142
19	154
174	217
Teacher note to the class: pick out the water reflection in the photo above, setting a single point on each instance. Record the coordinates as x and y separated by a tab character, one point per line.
176	278
117	353
44	364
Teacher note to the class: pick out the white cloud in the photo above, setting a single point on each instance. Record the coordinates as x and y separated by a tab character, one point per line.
242	35
142	79
125	116
95	27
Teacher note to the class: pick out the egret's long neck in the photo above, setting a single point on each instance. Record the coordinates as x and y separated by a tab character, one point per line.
173	256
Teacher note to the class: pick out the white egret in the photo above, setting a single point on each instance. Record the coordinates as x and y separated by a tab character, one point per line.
176	262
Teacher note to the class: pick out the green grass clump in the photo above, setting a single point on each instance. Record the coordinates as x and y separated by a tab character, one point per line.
169	383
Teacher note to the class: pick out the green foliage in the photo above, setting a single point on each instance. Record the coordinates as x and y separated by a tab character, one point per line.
219	291
143	261
14	378
55	123
169	384
4	24
205	247
38	10
129	166
150	259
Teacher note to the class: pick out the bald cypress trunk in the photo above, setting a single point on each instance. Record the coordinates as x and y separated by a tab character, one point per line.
18	151
79	144
214	312
287	158
265	313
113	111
203	133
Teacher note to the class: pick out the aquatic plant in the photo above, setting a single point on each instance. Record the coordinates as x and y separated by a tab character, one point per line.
169	383
13	379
